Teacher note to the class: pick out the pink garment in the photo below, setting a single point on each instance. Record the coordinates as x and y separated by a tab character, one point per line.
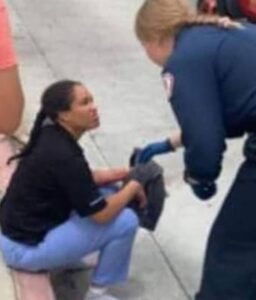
7	53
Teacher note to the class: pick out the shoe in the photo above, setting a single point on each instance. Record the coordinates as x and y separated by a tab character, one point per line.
94	296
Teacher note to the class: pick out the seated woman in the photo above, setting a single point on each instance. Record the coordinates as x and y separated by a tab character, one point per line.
53	212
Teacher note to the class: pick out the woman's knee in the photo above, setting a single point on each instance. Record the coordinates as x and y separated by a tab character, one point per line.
128	221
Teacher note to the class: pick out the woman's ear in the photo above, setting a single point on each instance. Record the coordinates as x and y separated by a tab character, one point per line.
63	116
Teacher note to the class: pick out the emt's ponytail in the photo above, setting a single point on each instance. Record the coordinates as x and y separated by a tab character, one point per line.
159	19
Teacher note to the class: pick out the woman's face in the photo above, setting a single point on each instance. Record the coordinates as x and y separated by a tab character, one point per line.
83	113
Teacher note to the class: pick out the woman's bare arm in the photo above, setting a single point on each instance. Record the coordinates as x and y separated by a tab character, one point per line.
11	100
108	176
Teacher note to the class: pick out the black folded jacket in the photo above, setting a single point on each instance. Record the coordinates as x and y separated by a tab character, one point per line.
156	193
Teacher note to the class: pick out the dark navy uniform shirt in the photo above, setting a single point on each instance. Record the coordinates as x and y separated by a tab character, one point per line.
213	92
50	183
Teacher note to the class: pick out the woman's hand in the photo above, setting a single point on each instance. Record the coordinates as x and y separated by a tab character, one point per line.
141	198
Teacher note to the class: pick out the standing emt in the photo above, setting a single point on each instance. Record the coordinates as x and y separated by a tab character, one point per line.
209	70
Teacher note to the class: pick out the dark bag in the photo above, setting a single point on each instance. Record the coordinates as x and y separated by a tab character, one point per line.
156	193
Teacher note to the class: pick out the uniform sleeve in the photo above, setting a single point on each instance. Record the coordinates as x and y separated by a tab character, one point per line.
75	179
7	53
196	103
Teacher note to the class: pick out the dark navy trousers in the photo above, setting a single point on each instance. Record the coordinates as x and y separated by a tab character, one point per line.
230	264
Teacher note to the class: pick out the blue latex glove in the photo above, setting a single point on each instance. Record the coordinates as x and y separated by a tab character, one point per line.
153	149
203	190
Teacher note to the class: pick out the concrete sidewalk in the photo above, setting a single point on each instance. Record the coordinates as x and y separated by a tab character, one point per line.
93	41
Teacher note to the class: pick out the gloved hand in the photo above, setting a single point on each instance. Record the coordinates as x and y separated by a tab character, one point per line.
143	173
153	149
203	190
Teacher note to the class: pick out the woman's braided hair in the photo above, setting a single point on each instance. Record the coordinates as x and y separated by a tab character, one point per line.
56	98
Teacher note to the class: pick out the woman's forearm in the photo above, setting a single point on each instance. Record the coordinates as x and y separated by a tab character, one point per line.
117	202
107	176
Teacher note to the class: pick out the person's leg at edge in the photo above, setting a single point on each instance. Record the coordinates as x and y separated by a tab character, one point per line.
230	266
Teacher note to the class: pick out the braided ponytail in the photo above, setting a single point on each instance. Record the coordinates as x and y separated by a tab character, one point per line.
56	98
34	135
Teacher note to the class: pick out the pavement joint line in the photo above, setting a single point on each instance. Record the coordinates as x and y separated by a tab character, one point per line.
169	265
103	157
15	287
41	52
